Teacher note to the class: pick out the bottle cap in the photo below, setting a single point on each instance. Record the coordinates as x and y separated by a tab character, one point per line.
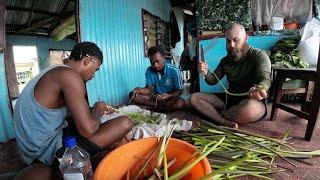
69	141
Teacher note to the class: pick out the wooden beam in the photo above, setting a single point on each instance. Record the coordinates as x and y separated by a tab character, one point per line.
31	12
65	6
13	8
15	27
2	25
40	24
43	23
78	21
64	23
175	3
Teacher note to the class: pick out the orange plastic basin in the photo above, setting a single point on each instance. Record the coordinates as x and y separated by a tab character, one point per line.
128	159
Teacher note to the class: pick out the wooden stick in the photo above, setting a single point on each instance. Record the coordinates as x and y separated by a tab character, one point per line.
128	175
148	160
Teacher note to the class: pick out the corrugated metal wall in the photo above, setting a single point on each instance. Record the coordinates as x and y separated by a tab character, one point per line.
6	126
116	27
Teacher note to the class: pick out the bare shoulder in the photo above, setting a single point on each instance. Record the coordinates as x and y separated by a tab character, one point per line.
66	78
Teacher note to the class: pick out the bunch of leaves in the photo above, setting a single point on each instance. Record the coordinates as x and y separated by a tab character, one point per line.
243	153
286	54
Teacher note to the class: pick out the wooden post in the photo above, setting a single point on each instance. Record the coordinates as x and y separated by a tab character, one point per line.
2	25
77	9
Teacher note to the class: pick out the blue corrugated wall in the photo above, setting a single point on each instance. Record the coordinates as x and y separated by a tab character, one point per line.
116	27
6	126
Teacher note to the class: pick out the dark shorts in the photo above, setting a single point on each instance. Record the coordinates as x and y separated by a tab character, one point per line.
83	143
235	100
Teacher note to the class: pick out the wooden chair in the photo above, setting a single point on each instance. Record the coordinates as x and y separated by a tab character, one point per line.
310	107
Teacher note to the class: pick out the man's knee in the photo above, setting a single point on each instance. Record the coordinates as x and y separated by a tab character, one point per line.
36	171
249	111
194	98
125	123
179	104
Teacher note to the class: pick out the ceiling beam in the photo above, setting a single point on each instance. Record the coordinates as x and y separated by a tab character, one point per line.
31	12
2	25
176	3
15	27
39	24
65	6
13	8
44	22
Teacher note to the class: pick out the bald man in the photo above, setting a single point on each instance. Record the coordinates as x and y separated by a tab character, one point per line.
247	70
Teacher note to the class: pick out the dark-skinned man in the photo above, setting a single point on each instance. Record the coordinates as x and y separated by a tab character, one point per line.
163	84
42	107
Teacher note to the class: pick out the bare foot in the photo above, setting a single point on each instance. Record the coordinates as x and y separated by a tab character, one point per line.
236	126
231	124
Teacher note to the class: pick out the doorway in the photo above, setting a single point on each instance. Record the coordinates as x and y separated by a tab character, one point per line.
23	66
26	64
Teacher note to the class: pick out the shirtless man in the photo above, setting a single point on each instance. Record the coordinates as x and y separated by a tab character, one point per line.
246	69
40	112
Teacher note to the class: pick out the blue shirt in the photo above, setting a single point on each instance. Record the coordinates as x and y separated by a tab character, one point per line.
167	82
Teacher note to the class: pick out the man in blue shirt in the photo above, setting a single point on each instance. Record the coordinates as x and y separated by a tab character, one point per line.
163	84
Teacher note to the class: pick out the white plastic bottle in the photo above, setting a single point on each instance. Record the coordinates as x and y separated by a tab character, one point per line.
75	163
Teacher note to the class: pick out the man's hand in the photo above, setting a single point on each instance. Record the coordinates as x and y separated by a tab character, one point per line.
258	93
102	108
108	110
136	91
162	97
203	67
145	90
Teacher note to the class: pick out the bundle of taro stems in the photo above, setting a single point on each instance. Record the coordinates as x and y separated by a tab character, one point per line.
231	152
241	153
160	171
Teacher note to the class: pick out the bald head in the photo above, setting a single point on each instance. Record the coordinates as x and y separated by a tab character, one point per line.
236	29
236	38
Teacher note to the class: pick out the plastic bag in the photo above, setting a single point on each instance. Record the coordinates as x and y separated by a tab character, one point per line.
309	43
263	10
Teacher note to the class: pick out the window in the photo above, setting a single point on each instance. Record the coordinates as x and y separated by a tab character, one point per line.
26	64
155	32
57	56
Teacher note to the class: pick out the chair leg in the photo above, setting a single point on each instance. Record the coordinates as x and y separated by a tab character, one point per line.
277	97
313	112
305	104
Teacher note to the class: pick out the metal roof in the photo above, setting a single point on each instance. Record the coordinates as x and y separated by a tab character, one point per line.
36	17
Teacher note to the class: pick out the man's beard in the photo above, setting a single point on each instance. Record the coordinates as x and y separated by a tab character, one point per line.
238	54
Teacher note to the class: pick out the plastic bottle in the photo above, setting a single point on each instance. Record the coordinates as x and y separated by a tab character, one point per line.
75	163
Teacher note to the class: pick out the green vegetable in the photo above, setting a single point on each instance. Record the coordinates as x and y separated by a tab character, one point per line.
242	153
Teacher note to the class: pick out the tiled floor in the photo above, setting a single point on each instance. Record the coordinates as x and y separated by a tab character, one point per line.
9	159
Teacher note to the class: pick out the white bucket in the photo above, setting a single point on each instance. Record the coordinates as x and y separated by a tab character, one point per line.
276	23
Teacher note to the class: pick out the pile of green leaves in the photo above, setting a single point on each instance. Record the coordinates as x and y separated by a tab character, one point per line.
286	54
243	153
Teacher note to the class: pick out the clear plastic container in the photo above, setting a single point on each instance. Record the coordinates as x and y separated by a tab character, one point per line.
75	163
